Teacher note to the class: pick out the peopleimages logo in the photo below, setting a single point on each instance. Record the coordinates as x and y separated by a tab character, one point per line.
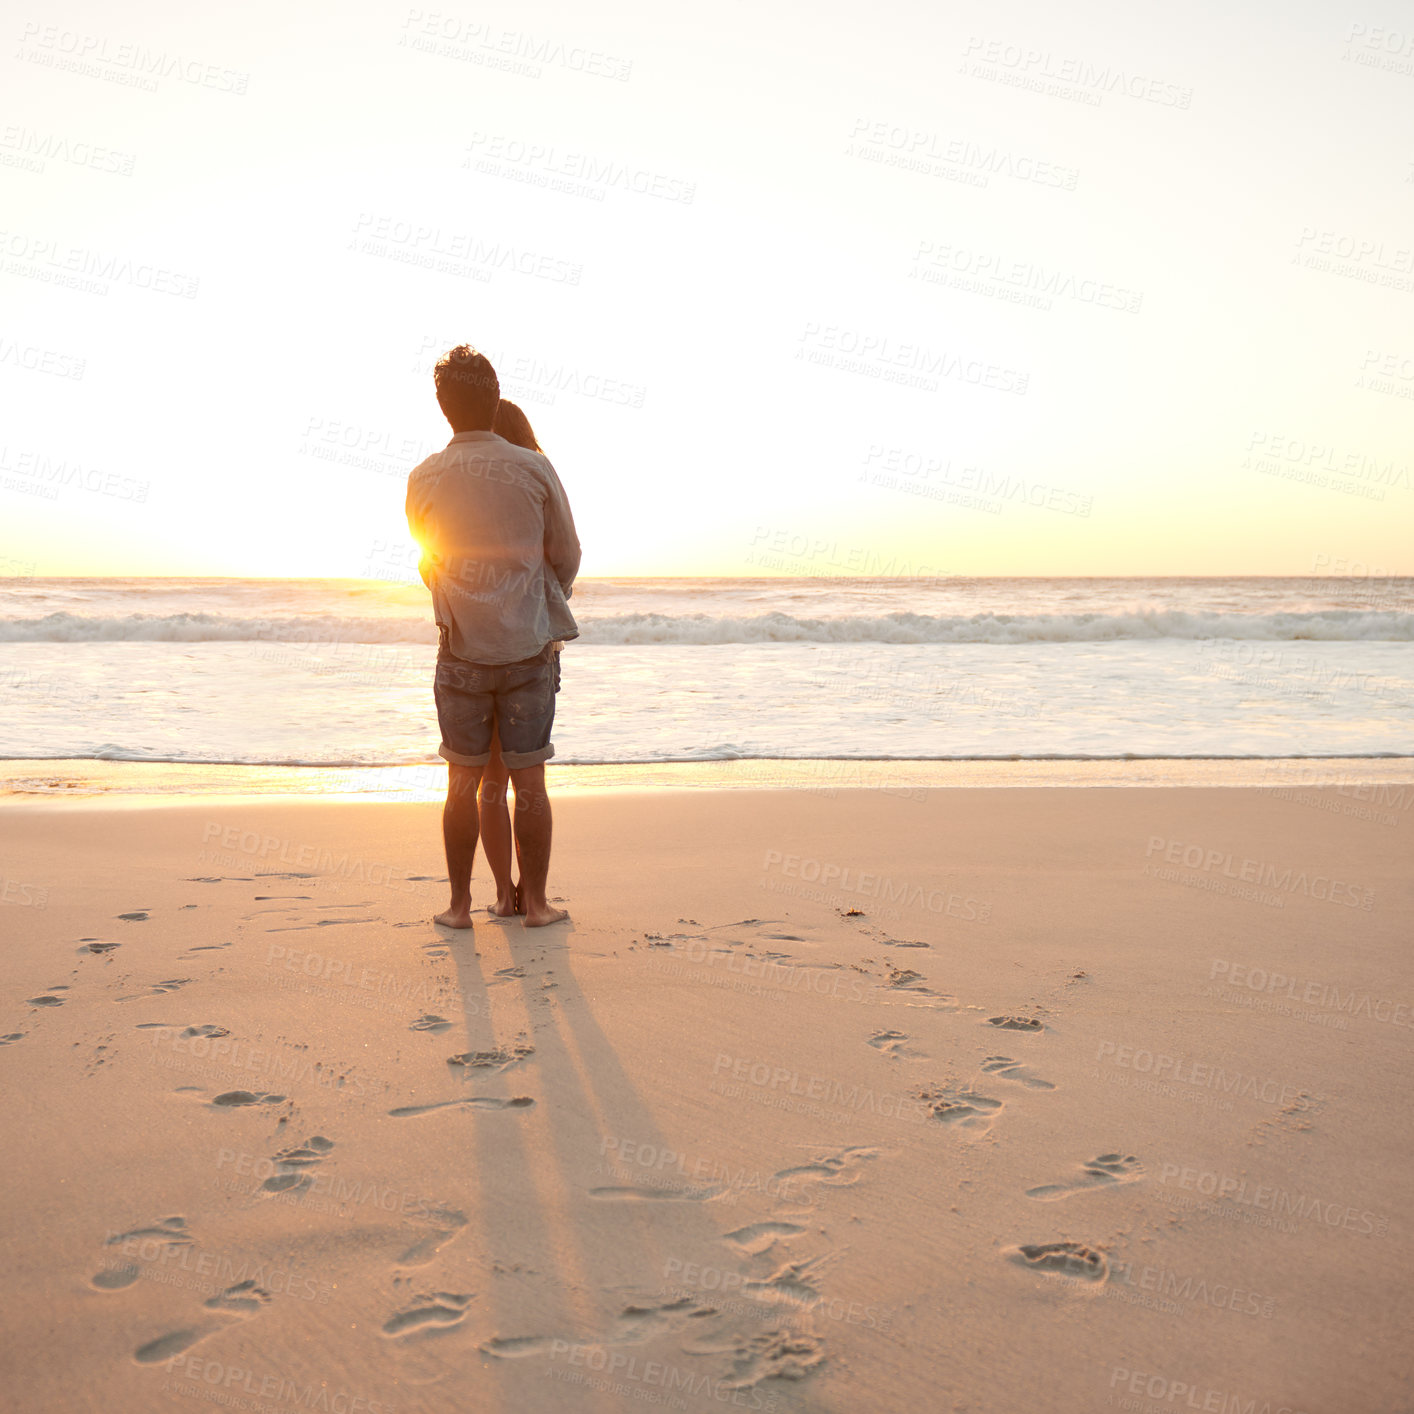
1268	1198
1260	873
1180	1394
911	365
1308	993
1184	1070
917	148
1038	64
98	56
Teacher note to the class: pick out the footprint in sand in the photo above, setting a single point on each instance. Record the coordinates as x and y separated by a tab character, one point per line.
475	1102
94	945
892	1043
792	1285
318	923
49	1000
877	935
624	1194
839	1170
12	1037
1108	1169
633	1326
290	1174
158	989
1070	1259
445	1225
903	976
243	1299
777	1354
171	1231
235	1099
429	1315
428	1022
114	1278
139	917
964	1108
167	1232
517	1347
1004	1068
502	1058
636	1324
906	980
758	1237
1016	1023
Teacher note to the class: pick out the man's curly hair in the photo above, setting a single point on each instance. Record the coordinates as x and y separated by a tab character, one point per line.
467	389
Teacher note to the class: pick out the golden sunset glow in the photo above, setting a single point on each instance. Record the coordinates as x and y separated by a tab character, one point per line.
1048	317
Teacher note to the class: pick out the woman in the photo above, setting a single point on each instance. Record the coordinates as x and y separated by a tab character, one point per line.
493	814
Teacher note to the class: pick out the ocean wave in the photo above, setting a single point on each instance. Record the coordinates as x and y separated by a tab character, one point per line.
1328	625
373	761
1332	625
215	628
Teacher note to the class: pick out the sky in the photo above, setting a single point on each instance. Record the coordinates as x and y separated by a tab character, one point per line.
912	288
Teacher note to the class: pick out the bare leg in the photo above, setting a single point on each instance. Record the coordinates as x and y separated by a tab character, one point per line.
532	831
459	836
495	820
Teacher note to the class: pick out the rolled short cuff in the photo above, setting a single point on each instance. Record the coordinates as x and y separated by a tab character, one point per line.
458	759
518	760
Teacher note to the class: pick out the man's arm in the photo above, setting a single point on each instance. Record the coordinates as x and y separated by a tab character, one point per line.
562	551
416	511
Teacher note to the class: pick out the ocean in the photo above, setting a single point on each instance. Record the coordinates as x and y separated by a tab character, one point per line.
337	673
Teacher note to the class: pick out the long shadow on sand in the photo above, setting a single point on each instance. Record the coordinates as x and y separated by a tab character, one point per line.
605	1247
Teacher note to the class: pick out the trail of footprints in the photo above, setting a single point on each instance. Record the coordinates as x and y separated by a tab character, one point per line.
773	1284
245	1298
437	1312
788	1286
784	1286
291	1175
966	1109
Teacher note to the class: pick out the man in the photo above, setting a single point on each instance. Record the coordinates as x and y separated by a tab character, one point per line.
500	555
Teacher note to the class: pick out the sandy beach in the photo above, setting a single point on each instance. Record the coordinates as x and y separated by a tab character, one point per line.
967	1099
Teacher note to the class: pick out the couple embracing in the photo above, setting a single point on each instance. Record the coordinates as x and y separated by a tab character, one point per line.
499	553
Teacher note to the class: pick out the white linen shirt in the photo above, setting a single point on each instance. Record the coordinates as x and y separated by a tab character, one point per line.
500	551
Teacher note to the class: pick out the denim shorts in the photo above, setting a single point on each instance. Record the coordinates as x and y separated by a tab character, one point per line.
516	698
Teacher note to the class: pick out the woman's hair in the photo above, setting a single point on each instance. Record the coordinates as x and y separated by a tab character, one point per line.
512	424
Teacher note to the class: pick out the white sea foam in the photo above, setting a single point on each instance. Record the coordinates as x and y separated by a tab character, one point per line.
324	671
647	629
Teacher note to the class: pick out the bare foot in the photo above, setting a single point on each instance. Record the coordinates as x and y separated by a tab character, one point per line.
504	907
455	917
539	917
